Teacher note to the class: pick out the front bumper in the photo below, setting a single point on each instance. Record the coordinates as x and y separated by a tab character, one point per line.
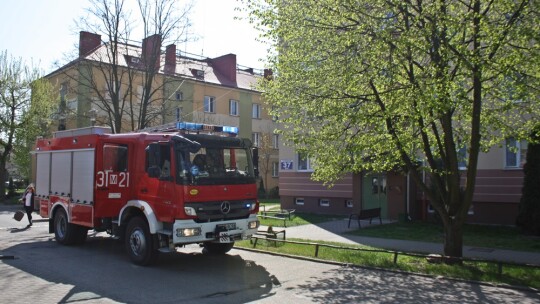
189	232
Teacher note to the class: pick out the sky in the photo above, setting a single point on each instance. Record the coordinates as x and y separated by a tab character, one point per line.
41	32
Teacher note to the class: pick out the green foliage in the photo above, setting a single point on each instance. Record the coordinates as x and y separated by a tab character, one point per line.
25	107
375	85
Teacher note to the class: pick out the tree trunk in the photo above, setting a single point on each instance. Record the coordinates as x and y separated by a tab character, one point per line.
453	239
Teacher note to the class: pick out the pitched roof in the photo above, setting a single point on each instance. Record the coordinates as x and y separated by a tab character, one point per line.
187	66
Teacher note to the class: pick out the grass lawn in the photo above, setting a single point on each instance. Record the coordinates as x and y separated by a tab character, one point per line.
503	237
345	253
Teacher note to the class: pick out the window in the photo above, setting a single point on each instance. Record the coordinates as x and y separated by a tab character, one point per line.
209	104
256	139
178	95
324	202
275	141
430	209
304	163
179	114
299	201
274	117
349	203
233	107
256	111
515	153
275	169
63	91
160	160
115	158
462	158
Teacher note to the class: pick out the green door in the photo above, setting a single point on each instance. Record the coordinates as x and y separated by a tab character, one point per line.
374	192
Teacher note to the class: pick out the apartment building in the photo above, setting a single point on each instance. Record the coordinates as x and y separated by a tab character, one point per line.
185	88
496	199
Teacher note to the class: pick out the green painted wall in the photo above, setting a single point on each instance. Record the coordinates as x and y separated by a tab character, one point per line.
187	89
245	125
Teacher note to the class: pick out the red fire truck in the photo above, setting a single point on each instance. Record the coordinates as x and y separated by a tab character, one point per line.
183	183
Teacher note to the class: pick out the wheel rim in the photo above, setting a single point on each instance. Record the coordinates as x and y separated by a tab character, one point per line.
137	242
61	226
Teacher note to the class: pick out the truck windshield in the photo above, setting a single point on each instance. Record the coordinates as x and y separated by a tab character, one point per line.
214	166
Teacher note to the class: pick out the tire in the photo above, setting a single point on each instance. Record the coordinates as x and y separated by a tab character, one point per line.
64	232
81	234
139	243
217	248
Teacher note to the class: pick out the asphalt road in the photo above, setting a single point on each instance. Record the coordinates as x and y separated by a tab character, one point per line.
43	271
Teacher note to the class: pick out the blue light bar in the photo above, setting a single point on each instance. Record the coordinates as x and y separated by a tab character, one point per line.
197	126
188	126
232	130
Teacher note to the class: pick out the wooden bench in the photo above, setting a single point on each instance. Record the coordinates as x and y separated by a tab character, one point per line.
365	215
270	235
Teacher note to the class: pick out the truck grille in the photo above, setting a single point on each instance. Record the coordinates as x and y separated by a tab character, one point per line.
220	210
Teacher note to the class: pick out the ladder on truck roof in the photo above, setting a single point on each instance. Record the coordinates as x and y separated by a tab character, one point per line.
181	126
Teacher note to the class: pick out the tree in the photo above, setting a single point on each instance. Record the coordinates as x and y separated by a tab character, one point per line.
266	151
529	208
25	106
127	93
403	85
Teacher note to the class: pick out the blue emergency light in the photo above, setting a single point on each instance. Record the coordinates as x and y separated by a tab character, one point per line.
191	126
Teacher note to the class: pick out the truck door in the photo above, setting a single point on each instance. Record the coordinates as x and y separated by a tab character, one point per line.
157	187
112	179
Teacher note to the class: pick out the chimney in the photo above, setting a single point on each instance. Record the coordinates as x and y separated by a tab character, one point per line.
151	50
225	65
268	74
170	59
88	42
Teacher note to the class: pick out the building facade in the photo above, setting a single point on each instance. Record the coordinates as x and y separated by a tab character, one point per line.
496	199
184	88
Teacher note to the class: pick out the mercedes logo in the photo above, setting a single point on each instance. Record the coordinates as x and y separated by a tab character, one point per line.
225	207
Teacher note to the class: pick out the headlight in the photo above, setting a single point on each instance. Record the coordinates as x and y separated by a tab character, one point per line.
253	225
190	211
187	232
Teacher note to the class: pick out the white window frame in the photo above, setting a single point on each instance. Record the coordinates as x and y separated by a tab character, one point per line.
324	202
256	139
275	169
299	201
179	95
234	107
275	141
349	203
519	153
209	104
256	111
309	163
430	209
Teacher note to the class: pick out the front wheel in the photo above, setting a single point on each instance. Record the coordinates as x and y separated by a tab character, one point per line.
217	248
139	242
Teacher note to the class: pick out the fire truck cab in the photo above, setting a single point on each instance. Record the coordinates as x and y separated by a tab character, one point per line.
156	190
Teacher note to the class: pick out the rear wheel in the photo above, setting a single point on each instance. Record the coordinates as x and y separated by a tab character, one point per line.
139	242
217	248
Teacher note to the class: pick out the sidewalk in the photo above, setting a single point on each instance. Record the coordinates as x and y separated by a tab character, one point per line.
335	231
